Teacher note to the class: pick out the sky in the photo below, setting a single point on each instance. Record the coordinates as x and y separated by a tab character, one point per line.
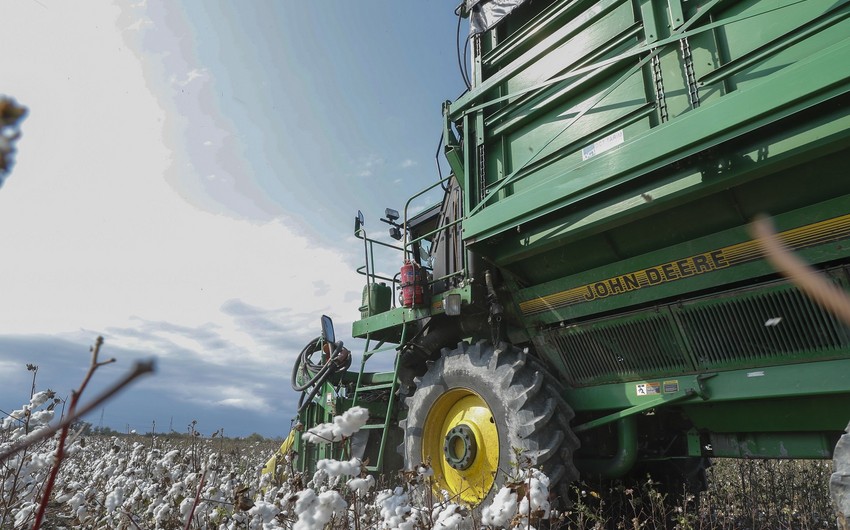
185	186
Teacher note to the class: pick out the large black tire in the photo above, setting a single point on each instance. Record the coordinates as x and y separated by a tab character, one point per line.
839	482
516	395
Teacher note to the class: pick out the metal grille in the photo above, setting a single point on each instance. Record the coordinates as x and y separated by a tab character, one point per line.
617	350
774	324
761	328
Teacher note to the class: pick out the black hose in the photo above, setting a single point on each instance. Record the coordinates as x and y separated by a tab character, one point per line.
304	366
460	58
439	169
338	360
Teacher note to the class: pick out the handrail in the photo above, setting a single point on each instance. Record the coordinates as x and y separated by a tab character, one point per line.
375	275
371	275
368	269
407	204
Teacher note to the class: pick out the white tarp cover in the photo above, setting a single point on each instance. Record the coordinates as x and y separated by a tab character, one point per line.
484	14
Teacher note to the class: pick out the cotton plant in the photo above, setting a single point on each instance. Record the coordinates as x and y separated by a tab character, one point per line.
340	428
25	472
520	503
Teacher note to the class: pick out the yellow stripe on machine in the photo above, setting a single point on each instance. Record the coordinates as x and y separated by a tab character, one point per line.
698	264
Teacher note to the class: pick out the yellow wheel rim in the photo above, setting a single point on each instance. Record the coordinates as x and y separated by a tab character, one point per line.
461	440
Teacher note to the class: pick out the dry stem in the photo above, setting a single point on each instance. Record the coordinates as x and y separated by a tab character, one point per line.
65	426
197	497
139	369
829	296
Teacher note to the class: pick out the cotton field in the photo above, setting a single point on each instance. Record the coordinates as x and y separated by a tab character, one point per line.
191	482
167	482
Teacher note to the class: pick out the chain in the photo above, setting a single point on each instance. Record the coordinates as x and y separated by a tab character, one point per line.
688	60
660	98
482	181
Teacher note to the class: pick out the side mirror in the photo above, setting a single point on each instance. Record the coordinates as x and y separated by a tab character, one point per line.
358	222
328	329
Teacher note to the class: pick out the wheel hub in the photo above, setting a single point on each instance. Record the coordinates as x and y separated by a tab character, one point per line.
460	447
460	438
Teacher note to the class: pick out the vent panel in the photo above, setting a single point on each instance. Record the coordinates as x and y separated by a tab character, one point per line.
771	324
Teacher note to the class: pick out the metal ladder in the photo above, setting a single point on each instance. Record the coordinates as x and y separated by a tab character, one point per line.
392	386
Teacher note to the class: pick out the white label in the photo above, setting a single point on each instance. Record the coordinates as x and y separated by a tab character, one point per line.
609	142
648	389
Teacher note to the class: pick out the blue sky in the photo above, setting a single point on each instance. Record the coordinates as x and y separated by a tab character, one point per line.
186	183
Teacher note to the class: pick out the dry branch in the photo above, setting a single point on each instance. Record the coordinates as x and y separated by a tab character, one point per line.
829	296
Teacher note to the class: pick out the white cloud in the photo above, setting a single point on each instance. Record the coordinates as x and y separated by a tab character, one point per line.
100	239
191	75
369	164
406	164
232	396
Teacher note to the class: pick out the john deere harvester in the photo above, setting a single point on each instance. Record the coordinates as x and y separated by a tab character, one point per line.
587	294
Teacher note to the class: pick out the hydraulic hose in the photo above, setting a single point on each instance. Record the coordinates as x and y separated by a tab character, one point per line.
305	367
316	374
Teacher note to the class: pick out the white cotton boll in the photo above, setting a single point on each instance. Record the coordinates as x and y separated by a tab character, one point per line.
394	507
410	524
322	433
41	461
335	468
14	418
76	500
40	398
177	489
319	478
185	507
448	518
264	510
161	513
305	502
24	514
538	494
314	511
501	510
332	502
352	420
64	497
114	499
361	485
424	471
41	417
342	427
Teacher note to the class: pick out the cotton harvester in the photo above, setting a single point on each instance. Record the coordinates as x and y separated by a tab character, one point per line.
588	292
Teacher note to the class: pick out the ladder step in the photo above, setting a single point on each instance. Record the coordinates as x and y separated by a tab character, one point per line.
367	388
373	426
379	350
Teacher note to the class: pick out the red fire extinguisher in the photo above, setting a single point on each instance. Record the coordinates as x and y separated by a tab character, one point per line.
412	284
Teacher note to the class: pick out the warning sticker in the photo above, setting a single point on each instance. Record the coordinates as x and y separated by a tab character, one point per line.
648	389
671	387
